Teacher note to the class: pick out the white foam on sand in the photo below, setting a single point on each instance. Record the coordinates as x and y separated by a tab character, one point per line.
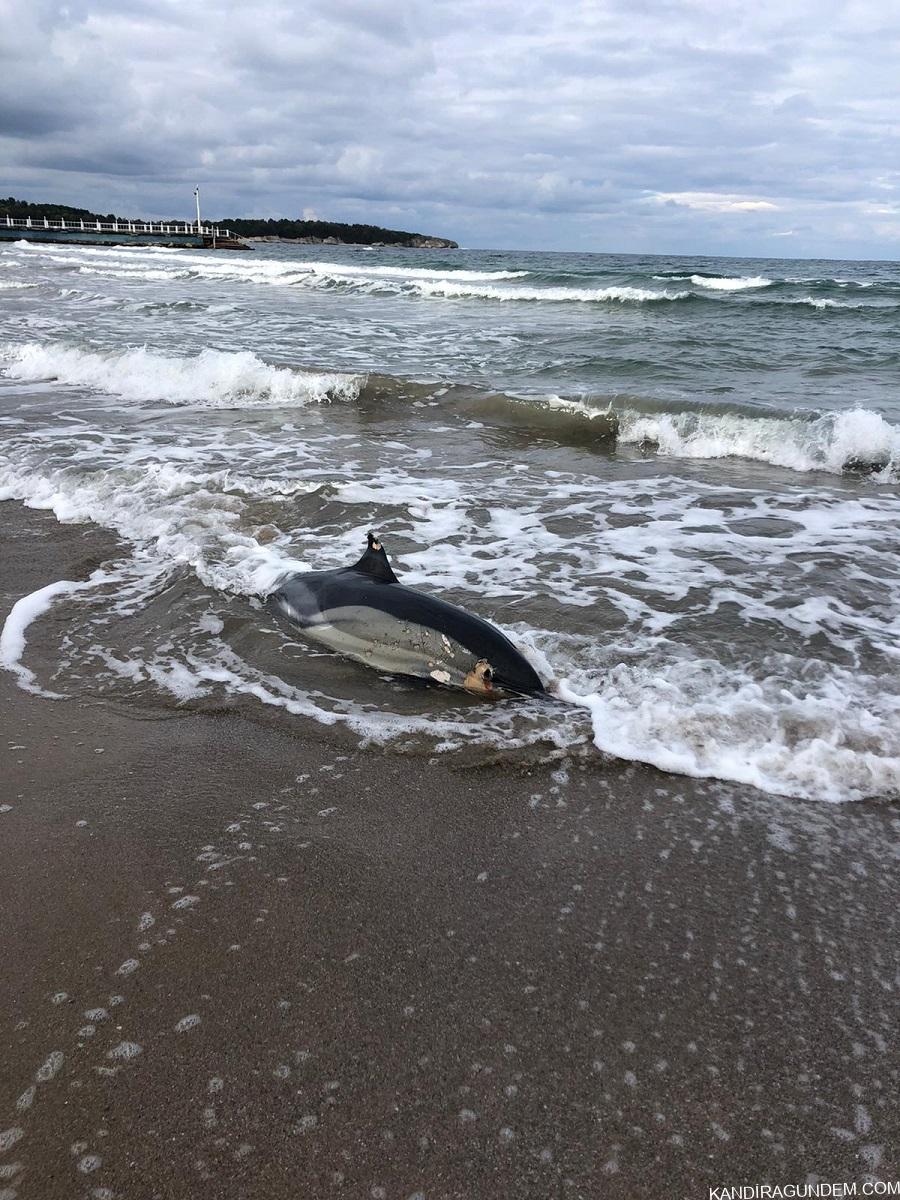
21	615
702	721
183	516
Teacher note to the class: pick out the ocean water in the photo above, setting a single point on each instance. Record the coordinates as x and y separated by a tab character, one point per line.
674	482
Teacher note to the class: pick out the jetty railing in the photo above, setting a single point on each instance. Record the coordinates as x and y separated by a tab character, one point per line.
158	227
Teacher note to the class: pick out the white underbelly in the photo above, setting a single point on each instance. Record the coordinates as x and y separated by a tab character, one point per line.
390	644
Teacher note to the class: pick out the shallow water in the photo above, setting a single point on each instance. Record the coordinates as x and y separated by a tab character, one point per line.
674	482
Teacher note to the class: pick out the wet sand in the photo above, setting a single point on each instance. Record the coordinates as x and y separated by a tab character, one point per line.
246	959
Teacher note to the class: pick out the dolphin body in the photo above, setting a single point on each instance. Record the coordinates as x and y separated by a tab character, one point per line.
364	613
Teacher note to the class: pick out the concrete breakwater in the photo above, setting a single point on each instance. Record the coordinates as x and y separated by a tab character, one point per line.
120	233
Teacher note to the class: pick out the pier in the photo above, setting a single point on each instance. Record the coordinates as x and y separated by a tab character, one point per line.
121	233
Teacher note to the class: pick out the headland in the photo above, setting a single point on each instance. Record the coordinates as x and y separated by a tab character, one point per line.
80	226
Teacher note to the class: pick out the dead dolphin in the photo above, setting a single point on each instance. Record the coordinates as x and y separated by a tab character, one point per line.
363	612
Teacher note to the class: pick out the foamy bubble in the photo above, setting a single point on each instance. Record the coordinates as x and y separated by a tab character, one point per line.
9	1137
125	1050
51	1067
822	303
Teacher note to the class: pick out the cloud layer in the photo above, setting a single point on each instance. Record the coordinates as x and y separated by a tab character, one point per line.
622	125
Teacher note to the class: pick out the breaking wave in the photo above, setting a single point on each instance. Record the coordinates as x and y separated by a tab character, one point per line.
857	441
822	303
731	285
214	378
723	283
160	265
448	288
854	440
371	271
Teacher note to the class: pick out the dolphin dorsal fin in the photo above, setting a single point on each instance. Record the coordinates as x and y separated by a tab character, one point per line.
374	562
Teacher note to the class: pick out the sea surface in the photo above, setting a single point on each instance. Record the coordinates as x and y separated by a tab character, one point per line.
674	482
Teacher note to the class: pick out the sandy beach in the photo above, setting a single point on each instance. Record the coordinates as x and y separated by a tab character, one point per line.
246	959
450	649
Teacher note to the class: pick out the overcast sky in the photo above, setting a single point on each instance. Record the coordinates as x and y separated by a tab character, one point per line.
767	127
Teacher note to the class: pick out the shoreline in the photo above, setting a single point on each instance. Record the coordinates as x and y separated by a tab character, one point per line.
328	971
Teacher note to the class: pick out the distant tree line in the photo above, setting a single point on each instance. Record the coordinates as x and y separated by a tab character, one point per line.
21	209
363	235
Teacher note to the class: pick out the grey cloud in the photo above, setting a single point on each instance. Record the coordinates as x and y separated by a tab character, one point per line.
516	122
19	120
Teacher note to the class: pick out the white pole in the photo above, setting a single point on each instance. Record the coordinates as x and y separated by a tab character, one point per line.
197	198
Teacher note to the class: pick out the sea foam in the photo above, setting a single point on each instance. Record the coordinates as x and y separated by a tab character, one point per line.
213	378
705	722
370	270
835	442
21	615
156	506
721	283
449	288
731	284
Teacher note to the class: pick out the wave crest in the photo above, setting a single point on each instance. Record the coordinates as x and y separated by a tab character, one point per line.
368	271
854	440
729	284
447	288
213	378
721	283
